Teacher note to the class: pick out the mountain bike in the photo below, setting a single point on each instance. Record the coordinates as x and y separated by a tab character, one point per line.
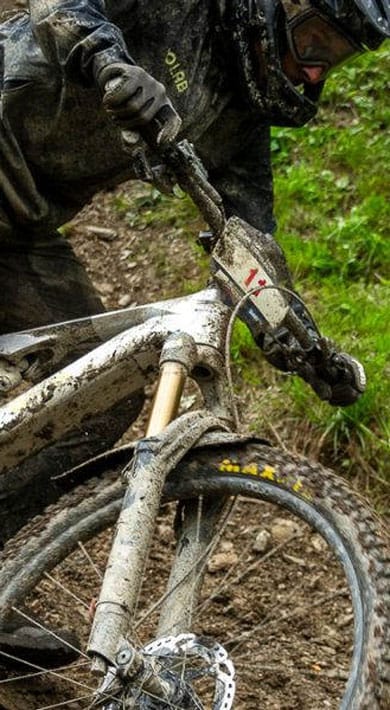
218	635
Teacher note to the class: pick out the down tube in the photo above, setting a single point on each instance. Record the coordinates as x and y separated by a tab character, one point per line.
92	384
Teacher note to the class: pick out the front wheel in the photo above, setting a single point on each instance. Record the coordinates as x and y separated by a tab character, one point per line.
297	591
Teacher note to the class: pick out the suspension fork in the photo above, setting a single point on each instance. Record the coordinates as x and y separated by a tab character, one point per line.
154	457
196	520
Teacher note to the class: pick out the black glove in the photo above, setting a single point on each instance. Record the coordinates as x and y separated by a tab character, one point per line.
334	376
134	99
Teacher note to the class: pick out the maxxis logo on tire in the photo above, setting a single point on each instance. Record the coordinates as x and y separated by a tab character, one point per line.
269	473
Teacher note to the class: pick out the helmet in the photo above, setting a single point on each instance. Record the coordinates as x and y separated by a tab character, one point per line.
346	27
368	20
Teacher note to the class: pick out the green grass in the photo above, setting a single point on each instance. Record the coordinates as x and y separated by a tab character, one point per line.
148	208
333	207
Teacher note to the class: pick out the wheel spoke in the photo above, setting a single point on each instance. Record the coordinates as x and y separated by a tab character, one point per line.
30	676
90	560
43	671
64	703
34	622
66	590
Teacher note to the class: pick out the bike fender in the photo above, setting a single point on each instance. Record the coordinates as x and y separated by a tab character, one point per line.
121	455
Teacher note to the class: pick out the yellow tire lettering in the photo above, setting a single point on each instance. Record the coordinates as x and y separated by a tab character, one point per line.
251	469
268	472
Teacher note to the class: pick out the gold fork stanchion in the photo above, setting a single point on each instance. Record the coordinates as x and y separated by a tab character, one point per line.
167	397
178	357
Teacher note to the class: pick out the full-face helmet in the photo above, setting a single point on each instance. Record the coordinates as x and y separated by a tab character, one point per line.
315	33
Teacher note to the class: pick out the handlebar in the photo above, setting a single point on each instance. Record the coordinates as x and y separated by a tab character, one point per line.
187	169
190	174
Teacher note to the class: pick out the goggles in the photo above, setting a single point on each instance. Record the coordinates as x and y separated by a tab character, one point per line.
315	41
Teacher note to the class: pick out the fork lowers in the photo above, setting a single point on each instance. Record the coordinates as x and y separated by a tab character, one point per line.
133	666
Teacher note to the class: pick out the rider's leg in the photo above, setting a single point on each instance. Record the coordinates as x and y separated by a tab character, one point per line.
43	282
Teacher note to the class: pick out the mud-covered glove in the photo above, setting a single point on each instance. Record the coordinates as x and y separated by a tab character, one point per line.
134	99
335	377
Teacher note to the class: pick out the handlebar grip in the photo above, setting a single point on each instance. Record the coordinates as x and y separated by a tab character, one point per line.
160	132
164	128
293	323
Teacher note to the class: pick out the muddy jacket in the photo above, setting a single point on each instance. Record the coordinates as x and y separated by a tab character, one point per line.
57	144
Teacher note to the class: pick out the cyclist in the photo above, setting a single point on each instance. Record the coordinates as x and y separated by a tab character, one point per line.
74	73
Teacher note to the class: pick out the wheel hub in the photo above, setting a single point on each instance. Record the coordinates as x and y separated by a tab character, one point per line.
176	662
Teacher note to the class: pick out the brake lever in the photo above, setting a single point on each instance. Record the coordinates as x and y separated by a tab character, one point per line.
192	178
183	163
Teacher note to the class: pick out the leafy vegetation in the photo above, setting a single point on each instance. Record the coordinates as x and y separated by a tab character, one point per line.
332	205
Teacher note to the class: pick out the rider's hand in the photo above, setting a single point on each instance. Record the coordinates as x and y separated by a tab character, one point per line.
335	377
340	380
134	99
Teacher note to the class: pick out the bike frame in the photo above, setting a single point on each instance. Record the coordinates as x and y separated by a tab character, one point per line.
117	354
127	360
129	343
176	338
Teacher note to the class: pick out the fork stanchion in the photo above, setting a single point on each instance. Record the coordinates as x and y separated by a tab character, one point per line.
167	397
178	357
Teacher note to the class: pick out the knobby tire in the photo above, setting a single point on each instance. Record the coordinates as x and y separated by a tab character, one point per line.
254	471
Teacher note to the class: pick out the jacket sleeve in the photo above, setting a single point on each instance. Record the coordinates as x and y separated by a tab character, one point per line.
246	184
78	36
